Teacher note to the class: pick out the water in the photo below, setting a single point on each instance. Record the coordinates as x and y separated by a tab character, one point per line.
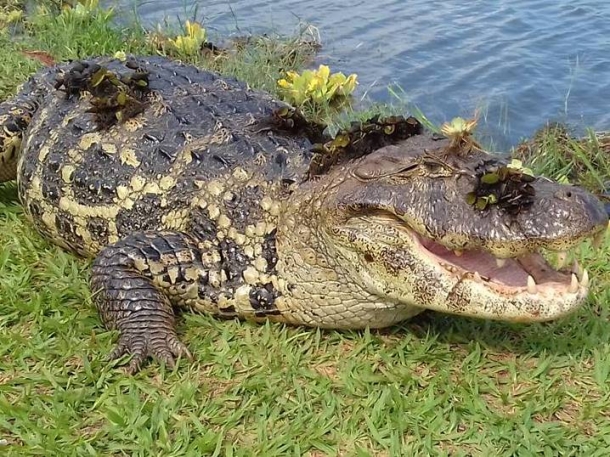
520	62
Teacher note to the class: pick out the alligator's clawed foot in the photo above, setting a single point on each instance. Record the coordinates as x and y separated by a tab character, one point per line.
161	345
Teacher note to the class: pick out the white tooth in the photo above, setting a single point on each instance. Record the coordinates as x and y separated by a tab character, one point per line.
477	277
573	285
500	262
597	240
585	279
458	253
531	285
561	259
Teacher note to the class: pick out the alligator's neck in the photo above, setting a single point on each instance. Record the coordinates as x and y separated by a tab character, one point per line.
318	286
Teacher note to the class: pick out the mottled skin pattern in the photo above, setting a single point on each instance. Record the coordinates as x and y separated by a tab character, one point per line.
202	202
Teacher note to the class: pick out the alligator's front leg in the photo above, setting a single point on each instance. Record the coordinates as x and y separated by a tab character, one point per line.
15	116
136	281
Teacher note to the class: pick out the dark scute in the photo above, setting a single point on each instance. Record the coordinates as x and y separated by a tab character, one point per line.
168	153
97	227
151	253
202	227
51	191
222	160
233	260
269	251
262	299
35	209
55	160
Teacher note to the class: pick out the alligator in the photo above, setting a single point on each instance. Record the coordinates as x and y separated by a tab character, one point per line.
189	190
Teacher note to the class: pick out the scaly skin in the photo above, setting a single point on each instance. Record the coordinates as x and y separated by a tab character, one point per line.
201	201
14	119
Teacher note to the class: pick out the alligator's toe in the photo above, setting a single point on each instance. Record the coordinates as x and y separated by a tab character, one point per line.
161	346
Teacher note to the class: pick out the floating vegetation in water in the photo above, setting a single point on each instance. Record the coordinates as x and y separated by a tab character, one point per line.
318	87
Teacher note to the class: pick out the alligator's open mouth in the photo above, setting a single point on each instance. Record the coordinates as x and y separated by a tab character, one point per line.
531	273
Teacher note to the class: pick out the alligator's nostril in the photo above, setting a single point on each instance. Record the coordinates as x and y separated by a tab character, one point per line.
564	194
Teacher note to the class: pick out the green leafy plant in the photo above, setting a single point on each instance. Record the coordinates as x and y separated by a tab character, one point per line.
506	185
10	16
190	43
318	87
460	132
82	10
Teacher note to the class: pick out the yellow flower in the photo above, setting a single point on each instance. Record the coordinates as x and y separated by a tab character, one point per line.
120	55
195	31
316	86
458	127
190	43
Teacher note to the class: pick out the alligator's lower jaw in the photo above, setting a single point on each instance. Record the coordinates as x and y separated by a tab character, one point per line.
530	274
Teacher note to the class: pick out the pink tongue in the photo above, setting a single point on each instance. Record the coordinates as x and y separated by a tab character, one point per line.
511	274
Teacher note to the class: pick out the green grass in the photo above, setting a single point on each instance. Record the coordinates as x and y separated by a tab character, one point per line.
436	385
556	153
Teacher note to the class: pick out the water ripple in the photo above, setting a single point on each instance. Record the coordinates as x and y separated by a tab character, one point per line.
523	61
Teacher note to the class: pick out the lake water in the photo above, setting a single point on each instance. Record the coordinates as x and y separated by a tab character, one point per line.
521	62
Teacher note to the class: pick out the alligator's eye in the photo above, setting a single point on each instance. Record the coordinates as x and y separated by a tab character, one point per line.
436	168
389	166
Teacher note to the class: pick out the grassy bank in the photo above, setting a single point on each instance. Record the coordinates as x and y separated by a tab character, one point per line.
436	385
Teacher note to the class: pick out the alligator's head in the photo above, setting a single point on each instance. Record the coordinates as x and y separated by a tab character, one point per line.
403	224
